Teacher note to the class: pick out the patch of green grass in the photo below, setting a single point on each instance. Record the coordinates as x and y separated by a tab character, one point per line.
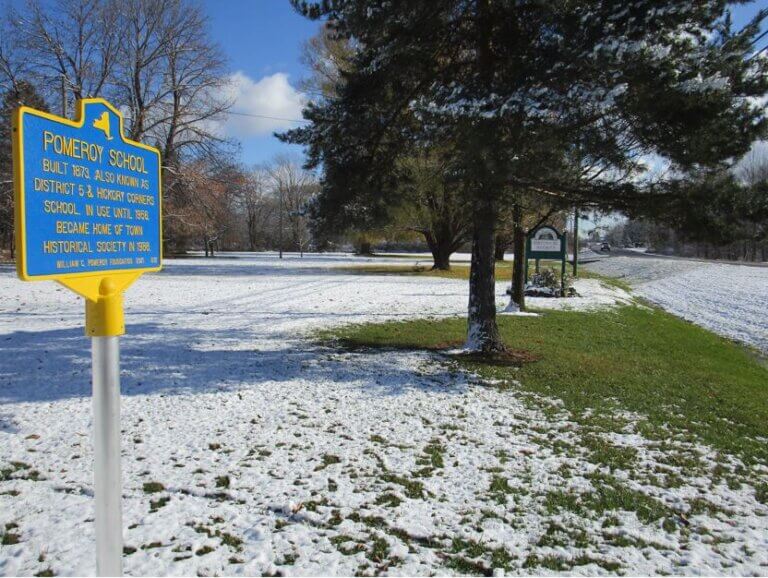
347	545
608	495
433	455
472	552
413	488
379	550
388	500
10	539
643	360
502	456
423	472
559	536
222	482
702	506
230	540
557	500
557	564
626	541
152	487
467	567
610	281
471	548
500	489
328	460
605	453
312	505
342	544
203	551
289	560
155	505
18	471
341	539
611	522
500	558
761	493
200	529
423	268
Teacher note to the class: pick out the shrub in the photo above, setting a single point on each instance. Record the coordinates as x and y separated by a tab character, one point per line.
546	283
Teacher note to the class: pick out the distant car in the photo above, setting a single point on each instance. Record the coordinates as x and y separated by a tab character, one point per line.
605	248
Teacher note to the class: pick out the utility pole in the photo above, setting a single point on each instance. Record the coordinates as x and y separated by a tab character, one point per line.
280	225
576	241
63	96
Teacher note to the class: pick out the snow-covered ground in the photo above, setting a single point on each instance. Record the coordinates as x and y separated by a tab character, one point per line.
272	454
731	300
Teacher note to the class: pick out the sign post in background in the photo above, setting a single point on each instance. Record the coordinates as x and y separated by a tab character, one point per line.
88	215
546	242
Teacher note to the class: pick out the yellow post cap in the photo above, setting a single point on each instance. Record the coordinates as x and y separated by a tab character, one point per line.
104	317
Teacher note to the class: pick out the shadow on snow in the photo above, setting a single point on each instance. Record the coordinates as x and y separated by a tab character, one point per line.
157	360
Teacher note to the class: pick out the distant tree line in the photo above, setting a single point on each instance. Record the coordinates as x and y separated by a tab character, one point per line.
228	207
720	216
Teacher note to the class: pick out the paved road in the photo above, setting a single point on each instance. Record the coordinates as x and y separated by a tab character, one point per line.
638	254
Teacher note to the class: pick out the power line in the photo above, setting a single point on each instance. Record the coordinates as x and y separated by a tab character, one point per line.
755	54
760	37
237	113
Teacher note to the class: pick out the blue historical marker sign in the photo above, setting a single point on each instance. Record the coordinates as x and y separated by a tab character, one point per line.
88	200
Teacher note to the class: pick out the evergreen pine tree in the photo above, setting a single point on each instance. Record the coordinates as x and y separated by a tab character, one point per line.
519	87
21	93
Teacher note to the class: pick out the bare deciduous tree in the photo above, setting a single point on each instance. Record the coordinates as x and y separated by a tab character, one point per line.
13	66
294	187
327	56
195	78
753	168
258	208
74	41
139	70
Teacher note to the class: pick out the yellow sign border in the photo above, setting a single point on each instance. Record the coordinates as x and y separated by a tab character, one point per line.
18	194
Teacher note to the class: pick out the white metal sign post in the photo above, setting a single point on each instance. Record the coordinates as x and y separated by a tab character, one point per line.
88	215
106	448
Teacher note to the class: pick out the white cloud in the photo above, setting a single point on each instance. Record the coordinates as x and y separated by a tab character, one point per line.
271	96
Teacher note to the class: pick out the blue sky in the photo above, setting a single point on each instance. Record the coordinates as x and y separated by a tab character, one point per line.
263	40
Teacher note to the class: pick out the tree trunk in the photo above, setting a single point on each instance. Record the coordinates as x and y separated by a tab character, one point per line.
441	251
500	248
442	259
365	248
482	332
518	266
576	242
